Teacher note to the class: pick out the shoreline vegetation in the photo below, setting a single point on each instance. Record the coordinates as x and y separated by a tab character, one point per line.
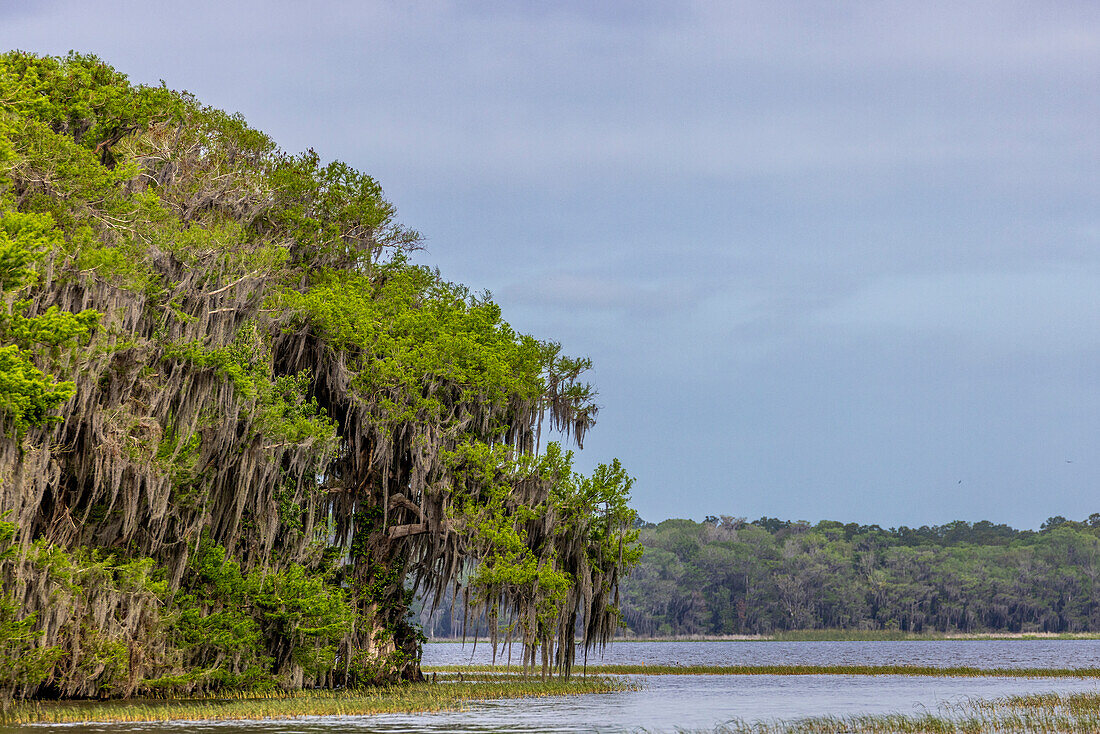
838	635
455	687
898	636
406	698
729	576
872	670
244	429
1042	712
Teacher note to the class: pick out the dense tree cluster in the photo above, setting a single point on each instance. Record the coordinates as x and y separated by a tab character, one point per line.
239	429
729	576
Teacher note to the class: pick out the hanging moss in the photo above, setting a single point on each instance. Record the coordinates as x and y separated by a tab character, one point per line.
240	429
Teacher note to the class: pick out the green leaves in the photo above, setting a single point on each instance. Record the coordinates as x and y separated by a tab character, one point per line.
22	660
265	370
558	560
240	615
53	329
29	396
727	576
23	238
406	327
83	97
335	214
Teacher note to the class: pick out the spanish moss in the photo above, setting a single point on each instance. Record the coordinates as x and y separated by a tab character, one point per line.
241	429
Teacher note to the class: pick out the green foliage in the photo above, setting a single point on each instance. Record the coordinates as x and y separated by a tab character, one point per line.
290	413
212	609
333	212
23	238
407	328
28	396
239	616
221	610
53	329
78	580
287	412
601	502
585	541
264	385
729	576
179	457
82	97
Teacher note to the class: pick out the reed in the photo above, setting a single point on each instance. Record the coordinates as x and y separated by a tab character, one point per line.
915	670
1045	713
407	698
840	635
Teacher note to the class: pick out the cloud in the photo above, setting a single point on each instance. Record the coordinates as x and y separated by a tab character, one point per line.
779	230
522	93
588	292
1048	309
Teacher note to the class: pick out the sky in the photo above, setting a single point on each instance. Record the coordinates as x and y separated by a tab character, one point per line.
831	260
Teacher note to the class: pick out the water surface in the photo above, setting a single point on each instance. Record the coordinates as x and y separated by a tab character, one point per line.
667	703
942	653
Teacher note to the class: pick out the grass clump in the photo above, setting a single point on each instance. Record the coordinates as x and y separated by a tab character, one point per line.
893	635
1045	712
406	698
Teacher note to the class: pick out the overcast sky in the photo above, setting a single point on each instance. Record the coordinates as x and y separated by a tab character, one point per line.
832	260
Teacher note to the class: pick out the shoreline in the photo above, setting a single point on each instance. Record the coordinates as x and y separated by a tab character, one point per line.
456	688
412	698
926	671
833	636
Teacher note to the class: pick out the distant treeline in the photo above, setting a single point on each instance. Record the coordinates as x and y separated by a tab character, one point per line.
726	575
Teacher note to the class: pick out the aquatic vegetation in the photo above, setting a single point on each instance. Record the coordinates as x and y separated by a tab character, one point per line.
403	698
830	635
1039	714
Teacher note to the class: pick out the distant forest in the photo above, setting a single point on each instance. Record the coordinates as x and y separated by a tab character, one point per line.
727	575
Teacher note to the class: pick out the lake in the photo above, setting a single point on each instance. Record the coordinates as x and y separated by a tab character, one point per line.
671	703
941	653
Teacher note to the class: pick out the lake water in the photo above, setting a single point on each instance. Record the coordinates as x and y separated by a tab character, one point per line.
690	702
970	653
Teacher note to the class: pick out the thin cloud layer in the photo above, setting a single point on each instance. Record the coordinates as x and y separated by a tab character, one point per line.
829	259
1043	311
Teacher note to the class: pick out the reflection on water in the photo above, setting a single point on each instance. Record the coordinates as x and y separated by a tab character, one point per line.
671	703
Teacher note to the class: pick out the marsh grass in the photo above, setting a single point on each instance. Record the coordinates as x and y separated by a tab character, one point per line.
1044	713
832	635
408	698
843	635
915	670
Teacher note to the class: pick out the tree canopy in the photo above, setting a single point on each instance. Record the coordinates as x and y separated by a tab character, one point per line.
240	428
730	576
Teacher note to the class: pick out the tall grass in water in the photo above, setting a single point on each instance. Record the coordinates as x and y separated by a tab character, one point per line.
835	635
1046	713
408	698
853	635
